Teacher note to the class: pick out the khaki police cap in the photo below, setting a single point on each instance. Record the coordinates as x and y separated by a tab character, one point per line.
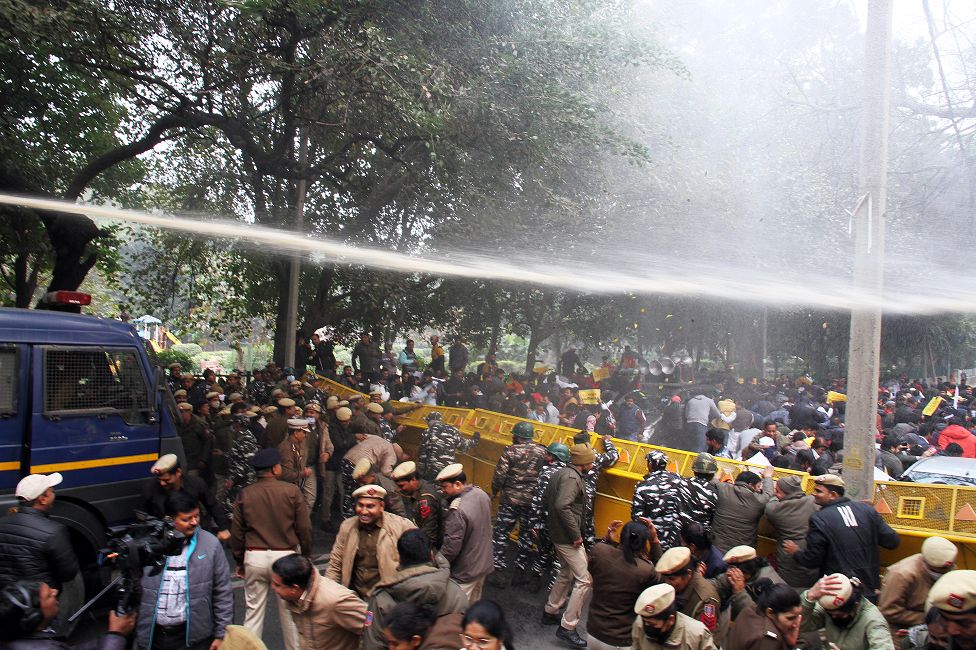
844	590
674	560
370	492
654	600
185	406
294	382
224	411
938	552
373	407
174	365
237	637
362	468
403	470
450	473
313	406
954	592
739	554
829	479
343	414
180	393
332	402
298	424
343	402
166	463
234	396
286	402
269	409
212	394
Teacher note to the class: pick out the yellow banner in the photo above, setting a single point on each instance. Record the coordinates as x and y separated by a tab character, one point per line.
833	396
600	374
541	370
932	405
591	396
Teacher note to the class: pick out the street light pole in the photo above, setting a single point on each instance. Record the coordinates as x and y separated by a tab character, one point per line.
865	345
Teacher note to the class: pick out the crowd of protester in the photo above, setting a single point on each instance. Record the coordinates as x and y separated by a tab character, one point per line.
269	457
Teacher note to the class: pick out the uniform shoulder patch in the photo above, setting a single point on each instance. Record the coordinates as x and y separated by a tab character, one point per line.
709	616
771	634
369	618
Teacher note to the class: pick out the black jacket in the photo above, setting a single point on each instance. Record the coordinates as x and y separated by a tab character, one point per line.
844	538
154	500
35	547
343	439
47	641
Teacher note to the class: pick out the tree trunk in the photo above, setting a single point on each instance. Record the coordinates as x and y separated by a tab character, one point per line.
25	279
496	328
281	271
534	342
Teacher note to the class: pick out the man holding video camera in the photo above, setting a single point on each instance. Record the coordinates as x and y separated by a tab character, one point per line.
189	603
27	609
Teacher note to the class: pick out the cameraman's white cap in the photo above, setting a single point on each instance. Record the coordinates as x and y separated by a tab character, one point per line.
33	486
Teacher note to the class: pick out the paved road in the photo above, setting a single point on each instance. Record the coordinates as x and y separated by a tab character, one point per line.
524	610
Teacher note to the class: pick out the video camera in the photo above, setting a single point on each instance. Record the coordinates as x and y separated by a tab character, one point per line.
131	548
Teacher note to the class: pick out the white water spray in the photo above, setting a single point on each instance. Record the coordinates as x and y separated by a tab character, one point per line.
725	282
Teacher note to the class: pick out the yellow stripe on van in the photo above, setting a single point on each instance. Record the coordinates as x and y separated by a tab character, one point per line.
89	464
6	467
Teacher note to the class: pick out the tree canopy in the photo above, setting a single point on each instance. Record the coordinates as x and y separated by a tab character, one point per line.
604	135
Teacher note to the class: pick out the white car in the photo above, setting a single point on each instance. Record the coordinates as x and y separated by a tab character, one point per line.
942	470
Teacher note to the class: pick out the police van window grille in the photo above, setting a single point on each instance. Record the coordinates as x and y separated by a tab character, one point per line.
95	380
8	381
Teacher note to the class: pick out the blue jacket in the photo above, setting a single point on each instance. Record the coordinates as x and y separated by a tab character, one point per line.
210	599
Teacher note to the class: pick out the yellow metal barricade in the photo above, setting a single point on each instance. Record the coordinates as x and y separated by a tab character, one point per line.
915	510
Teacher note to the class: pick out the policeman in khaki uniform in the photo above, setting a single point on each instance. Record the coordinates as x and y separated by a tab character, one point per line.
736	587
906	584
270	521
277	429
365	473
660	626
699	597
954	594
365	549
294	461
421	501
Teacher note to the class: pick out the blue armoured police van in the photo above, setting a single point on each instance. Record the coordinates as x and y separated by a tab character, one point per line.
81	396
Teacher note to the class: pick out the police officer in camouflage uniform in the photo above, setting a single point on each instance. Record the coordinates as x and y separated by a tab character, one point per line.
438	444
658	497
258	389
516	473
531	566
603	461
698	494
240	472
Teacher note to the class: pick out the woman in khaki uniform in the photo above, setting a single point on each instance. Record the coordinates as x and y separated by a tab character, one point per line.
772	624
